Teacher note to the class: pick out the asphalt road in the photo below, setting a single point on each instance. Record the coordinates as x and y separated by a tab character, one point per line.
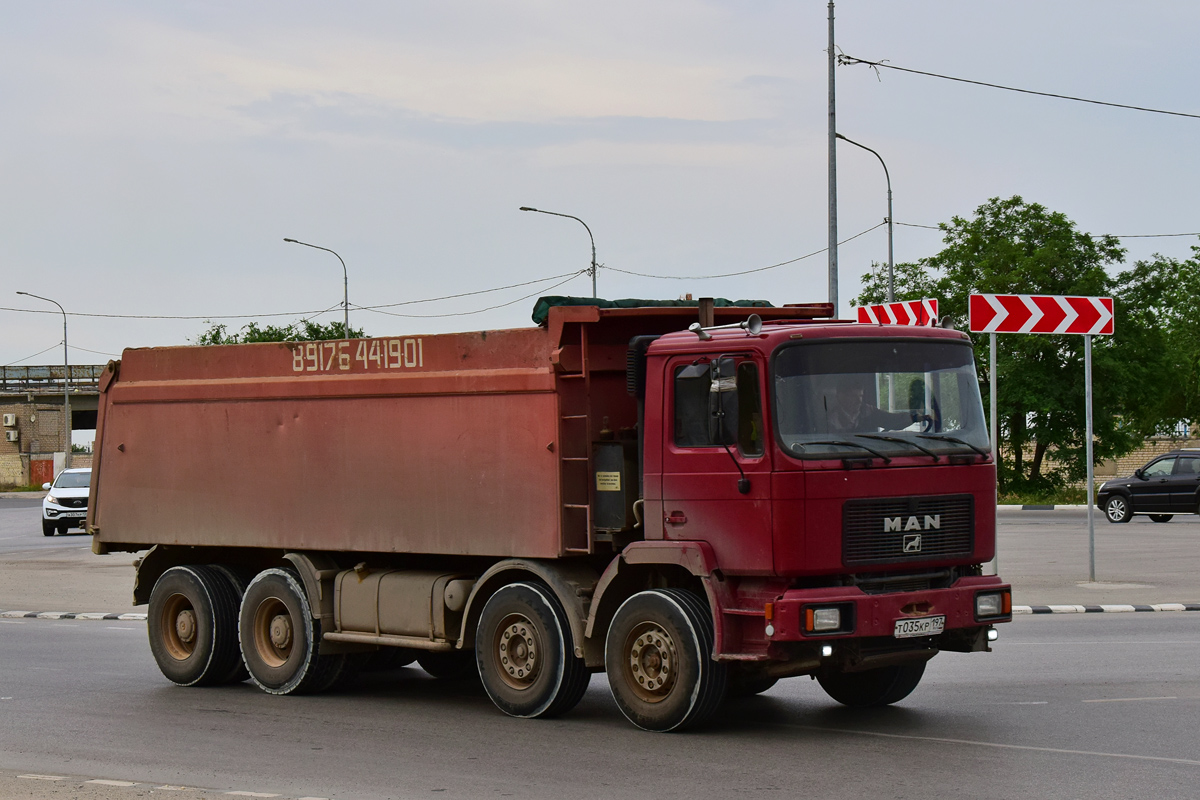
1100	706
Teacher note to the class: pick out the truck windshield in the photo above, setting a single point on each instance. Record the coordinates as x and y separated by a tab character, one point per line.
846	398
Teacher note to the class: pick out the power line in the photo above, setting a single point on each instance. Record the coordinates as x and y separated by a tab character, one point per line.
477	311
1113	235
35	355
845	60
743	272
96	352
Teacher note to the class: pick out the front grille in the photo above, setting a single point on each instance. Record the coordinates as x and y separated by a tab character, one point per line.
73	502
906	529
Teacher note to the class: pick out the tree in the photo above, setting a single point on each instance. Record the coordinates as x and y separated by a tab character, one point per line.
1014	247
302	331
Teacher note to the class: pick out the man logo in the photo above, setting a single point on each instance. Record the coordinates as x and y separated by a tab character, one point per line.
912	543
933	522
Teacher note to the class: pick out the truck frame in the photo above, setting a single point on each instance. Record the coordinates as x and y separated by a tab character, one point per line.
697	511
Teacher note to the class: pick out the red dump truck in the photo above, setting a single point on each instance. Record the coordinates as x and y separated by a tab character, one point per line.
695	509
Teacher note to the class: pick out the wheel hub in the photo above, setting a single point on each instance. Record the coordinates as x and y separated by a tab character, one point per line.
281	631
652	662
518	652
185	626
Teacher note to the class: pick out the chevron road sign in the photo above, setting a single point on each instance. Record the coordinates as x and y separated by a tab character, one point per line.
911	312
1032	313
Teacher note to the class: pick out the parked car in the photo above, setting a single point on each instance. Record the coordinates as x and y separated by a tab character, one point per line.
66	505
1168	485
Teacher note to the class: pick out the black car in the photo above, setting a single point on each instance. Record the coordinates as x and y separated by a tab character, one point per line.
1168	485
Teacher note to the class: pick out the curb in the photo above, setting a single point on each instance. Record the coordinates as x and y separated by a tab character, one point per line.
87	615
1105	609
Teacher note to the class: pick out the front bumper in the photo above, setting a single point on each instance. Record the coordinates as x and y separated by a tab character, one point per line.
876	615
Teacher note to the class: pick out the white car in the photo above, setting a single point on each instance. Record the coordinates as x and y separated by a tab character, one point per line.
66	505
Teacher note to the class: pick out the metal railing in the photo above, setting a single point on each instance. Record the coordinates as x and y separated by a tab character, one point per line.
49	379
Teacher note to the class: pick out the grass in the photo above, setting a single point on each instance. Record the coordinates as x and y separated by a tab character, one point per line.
30	488
1060	497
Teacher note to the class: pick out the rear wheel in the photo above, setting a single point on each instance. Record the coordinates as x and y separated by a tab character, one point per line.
873	687
280	640
1117	509
1161	517
48	527
525	653
192	624
658	655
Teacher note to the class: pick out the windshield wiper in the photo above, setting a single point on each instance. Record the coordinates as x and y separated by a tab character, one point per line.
956	440
924	450
875	453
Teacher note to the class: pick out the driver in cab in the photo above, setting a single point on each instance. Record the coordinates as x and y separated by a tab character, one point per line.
850	414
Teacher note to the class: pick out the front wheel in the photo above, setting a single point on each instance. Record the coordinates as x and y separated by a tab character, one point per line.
658	655
873	687
48	527
1161	517
1117	509
525	653
280	639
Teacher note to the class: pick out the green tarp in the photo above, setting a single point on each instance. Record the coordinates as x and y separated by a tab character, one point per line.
542	310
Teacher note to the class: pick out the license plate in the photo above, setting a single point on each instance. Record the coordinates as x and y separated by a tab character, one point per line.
72	514
924	626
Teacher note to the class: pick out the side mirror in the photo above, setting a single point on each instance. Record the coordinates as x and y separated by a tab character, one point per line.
1137	473
45	486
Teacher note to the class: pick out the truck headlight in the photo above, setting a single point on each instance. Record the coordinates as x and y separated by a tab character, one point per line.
993	604
825	619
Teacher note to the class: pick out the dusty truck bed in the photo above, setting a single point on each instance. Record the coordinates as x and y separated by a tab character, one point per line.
471	444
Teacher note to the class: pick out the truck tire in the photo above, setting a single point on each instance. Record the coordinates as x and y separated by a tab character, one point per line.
873	687
279	638
48	527
447	665
192	624
658	655
525	653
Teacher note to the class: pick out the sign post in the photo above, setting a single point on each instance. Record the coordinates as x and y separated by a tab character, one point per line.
1027	313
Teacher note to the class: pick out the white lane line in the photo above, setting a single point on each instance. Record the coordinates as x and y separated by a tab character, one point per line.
1128	699
111	783
251	794
43	777
995	745
169	788
117	628
12	621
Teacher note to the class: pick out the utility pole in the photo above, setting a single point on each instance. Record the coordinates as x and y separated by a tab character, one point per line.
833	253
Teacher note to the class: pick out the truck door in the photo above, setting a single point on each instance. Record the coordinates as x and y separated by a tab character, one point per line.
1152	490
714	434
1185	485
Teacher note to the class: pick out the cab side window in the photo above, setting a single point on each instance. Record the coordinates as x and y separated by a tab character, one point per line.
719	404
750	420
1188	466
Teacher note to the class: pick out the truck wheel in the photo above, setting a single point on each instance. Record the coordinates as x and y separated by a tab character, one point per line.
873	687
1161	517
1117	509
658	655
237	673
192	624
525	653
48	527
280	639
448	665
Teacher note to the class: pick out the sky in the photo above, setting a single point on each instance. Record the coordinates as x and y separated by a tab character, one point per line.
153	156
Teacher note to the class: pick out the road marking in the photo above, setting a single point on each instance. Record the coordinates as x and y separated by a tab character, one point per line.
1128	699
111	783
996	745
43	777
13	621
251	794
170	788
118	628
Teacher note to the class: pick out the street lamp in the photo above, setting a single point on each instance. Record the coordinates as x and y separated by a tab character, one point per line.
891	265
345	285
592	271
66	384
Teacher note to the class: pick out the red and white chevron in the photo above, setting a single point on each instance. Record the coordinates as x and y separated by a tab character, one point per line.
1032	313
909	312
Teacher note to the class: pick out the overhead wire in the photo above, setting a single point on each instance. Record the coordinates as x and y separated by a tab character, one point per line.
378	310
1113	235
35	355
845	60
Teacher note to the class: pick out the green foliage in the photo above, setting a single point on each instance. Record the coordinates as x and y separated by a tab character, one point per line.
911	282
302	331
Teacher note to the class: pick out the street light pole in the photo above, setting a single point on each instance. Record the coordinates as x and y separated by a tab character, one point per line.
66	384
891	264
345	285
592	271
